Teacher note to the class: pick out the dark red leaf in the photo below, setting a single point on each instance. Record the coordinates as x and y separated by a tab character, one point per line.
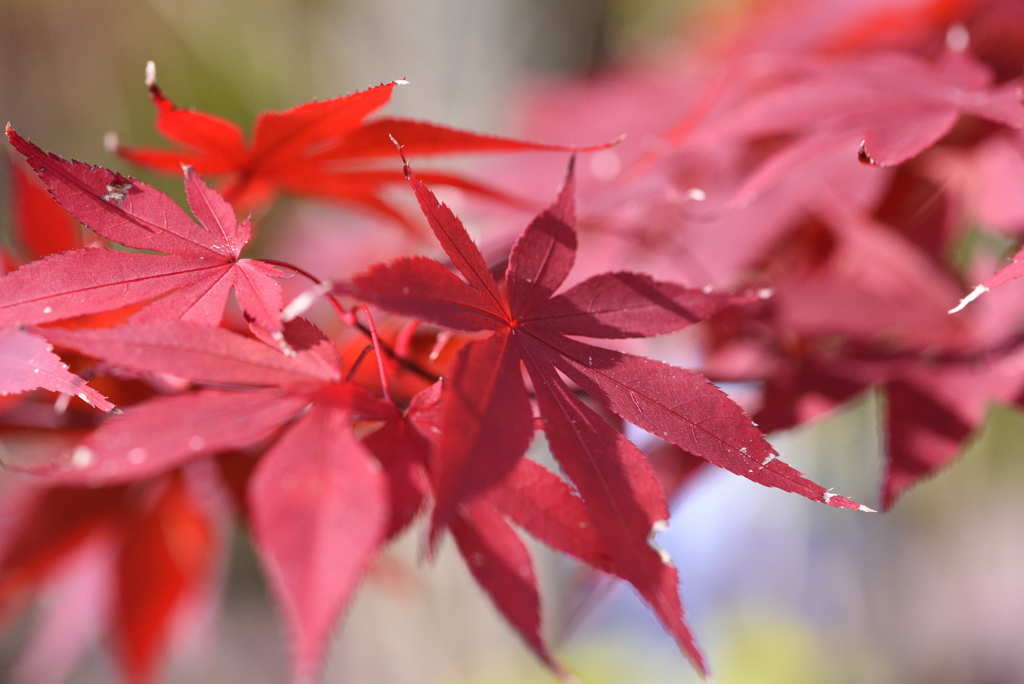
544	254
459	247
682	408
614	305
621	494
501	564
544	505
487	424
923	436
424	289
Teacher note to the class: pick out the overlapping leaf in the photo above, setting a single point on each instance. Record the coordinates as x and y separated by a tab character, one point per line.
27	362
41	226
318	501
193	279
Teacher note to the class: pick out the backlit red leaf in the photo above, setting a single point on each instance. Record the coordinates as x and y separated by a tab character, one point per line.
316	149
205	265
168	551
42	227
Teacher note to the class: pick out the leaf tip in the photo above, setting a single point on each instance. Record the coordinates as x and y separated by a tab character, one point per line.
865	509
603	146
565	676
974	294
400	81
9	130
151	74
864	158
401	153
862	154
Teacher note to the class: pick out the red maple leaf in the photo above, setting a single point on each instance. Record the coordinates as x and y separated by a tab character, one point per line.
200	267
318	149
487	420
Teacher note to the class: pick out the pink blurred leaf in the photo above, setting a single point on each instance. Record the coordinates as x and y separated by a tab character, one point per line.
27	362
319	511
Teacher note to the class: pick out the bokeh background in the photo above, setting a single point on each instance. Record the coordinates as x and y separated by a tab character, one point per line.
778	589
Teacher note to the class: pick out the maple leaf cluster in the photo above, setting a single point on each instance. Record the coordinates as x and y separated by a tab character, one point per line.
862	160
812	175
324	461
